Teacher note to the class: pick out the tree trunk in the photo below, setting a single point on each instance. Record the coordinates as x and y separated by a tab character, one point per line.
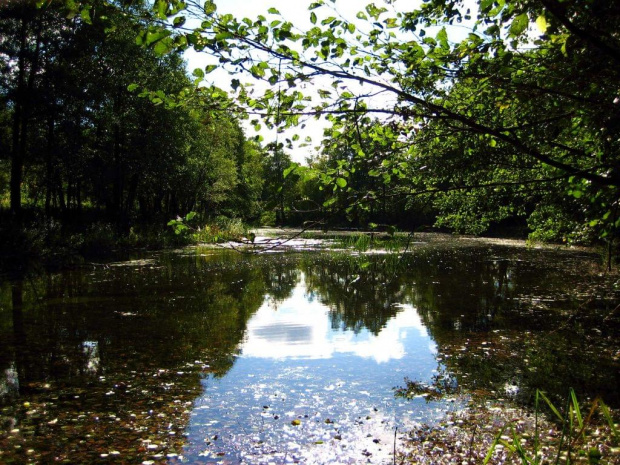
21	114
17	158
49	173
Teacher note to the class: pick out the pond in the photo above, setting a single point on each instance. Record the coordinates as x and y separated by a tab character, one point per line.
204	355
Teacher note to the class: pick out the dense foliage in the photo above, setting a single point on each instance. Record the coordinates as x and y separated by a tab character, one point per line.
515	118
471	115
83	143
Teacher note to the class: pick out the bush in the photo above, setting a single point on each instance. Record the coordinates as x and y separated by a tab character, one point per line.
222	229
268	218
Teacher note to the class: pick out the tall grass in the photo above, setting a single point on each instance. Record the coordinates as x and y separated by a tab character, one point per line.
573	443
362	242
222	229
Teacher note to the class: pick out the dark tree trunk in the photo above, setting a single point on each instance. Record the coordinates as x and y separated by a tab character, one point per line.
17	157
49	172
21	114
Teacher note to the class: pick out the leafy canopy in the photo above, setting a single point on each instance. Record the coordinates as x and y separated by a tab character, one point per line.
530	90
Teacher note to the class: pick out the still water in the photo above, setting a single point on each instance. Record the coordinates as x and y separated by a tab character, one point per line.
201	356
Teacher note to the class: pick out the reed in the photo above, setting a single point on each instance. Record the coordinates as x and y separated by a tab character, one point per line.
573	443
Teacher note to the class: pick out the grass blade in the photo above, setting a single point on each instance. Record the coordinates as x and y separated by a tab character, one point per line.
551	406
536	431
518	448
576	409
493	446
565	421
610	421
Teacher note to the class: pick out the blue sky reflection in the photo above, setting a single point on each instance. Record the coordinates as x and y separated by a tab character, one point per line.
302	390
300	328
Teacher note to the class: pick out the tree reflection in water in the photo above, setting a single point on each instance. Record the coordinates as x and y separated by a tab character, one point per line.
113	359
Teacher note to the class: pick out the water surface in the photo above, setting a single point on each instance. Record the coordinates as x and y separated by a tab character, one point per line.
212	356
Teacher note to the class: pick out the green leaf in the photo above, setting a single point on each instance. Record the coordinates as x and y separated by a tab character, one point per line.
162	47
132	87
610	420
210	8
442	38
519	24
494	444
541	23
210	68
199	73
154	36
341	182
576	409
330	201
273	11
290	169
161	7
85	14
313	17
551	406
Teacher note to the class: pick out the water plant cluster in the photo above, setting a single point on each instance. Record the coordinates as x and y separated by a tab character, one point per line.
497	432
222	229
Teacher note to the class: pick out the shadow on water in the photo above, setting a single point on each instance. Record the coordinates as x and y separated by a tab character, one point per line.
173	353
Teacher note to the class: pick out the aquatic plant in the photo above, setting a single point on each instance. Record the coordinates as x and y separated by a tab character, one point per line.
360	242
574	442
442	384
222	229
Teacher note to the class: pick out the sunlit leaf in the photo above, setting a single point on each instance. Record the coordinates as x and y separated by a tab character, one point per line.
519	25
541	23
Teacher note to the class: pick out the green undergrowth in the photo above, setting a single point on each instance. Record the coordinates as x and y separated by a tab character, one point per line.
585	435
363	241
62	243
190	229
499	432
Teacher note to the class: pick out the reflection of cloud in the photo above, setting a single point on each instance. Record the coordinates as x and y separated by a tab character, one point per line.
300	328
289	333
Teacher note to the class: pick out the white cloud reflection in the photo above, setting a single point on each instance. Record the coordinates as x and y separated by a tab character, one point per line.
301	329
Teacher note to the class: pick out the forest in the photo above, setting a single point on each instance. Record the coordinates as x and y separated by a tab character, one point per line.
511	128
135	134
